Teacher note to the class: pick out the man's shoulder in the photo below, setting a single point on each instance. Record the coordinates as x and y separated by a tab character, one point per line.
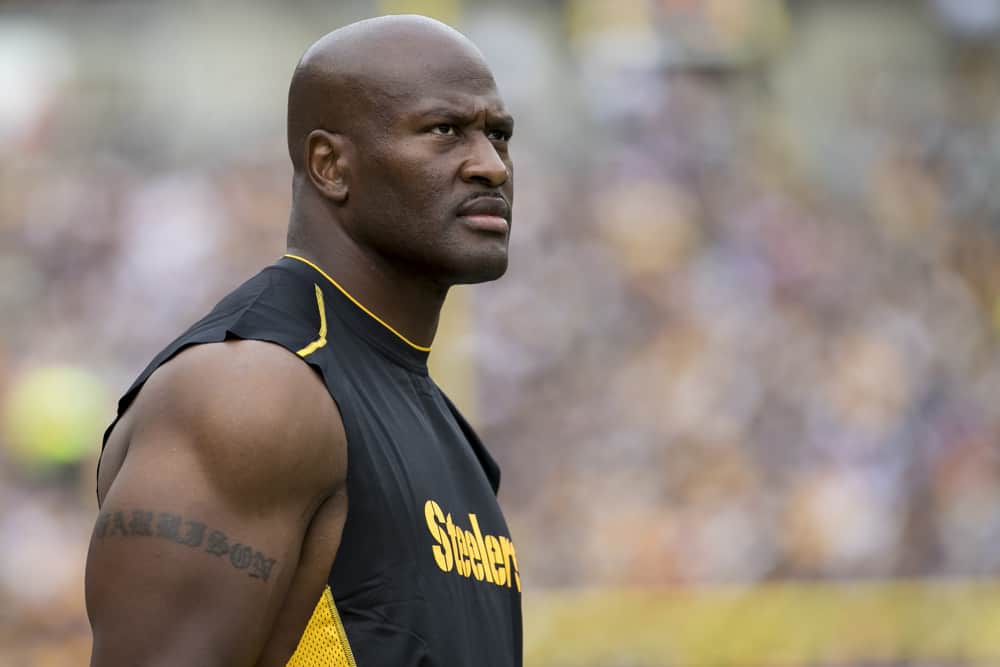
256	380
247	406
274	306
250	338
275	297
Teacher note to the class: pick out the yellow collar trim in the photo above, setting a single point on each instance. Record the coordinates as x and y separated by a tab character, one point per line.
357	303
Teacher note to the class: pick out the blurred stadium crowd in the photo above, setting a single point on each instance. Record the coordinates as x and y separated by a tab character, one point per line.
749	332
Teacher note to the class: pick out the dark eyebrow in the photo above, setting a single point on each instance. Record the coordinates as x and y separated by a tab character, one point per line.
443	112
496	118
502	120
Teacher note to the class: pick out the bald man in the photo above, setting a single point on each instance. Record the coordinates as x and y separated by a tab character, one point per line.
284	484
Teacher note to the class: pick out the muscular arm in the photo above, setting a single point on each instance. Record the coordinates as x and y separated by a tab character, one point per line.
208	489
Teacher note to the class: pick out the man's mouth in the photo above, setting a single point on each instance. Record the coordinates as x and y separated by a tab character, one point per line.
488	213
486	205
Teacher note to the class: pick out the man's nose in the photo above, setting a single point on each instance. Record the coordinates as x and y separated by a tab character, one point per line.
484	165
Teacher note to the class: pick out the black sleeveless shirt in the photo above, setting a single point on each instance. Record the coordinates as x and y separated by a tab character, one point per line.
426	573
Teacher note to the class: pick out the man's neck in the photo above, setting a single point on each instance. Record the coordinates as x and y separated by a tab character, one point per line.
408	304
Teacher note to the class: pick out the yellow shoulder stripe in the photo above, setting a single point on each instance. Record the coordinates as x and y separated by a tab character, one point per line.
357	303
321	341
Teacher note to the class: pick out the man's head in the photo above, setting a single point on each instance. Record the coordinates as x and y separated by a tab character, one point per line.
398	135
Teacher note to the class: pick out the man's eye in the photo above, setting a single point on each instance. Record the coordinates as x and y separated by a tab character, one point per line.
499	135
444	129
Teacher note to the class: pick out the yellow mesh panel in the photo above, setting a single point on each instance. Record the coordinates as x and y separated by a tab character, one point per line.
324	643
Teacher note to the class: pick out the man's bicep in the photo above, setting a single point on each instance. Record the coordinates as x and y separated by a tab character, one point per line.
224	457
178	572
207	546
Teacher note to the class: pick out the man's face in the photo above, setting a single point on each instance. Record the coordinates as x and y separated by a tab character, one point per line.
432	180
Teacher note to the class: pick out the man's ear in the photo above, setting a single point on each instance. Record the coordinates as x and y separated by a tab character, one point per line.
326	164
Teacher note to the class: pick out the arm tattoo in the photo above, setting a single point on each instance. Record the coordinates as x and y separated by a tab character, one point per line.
192	534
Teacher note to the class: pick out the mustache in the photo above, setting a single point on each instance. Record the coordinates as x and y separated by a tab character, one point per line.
485	203
492	194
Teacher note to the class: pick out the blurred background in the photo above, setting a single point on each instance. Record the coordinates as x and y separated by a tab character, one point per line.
742	375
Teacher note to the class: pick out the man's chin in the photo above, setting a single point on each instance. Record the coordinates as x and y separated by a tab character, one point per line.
484	270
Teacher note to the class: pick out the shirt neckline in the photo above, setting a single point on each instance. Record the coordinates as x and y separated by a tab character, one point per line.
377	329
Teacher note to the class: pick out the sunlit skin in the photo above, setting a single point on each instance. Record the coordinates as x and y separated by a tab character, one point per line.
402	187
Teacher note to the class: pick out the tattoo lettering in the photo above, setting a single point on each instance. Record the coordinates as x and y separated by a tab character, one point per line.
240	556
261	566
195	534
141	523
217	544
117	525
101	527
168	526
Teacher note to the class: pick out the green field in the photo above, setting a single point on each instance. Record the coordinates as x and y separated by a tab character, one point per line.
926	621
